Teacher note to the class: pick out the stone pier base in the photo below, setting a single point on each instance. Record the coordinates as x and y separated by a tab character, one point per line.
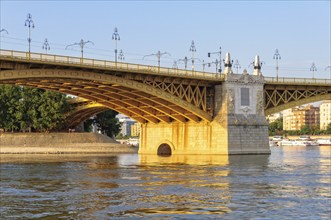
204	138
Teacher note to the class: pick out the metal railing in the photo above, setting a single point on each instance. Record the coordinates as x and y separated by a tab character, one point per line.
292	80
105	64
146	69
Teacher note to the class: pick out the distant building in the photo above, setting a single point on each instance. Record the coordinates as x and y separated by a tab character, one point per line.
296	118
288	119
312	116
325	114
274	117
126	125
135	129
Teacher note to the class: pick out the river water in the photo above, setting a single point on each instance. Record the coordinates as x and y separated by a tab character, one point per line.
291	183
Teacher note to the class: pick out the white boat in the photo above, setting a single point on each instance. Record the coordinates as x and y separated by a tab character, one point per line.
288	142
133	142
324	141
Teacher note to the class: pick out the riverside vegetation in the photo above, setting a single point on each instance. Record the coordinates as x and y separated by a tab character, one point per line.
276	128
36	110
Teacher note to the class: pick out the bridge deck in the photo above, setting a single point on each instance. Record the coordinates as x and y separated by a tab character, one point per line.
147	93
52	59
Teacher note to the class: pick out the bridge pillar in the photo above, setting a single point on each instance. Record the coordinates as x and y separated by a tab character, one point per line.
238	127
239	108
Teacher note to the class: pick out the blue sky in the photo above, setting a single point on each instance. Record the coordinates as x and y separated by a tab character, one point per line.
299	29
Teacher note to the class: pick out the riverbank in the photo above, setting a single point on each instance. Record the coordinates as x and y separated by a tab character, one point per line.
294	137
60	143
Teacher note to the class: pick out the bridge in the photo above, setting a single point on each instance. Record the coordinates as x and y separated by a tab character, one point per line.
181	111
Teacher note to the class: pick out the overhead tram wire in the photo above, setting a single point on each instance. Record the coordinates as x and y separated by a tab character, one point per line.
54	44
130	57
35	45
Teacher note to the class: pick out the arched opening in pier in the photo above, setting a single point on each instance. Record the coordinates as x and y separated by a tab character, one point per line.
164	150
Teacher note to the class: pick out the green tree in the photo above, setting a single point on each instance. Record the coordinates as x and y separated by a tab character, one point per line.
9	99
276	127
52	110
328	129
27	109
23	108
106	121
306	130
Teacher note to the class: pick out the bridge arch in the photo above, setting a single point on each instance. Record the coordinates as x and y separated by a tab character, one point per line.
139	101
293	104
81	113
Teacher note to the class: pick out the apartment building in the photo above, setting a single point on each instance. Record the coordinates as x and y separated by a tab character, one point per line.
325	114
135	129
296	118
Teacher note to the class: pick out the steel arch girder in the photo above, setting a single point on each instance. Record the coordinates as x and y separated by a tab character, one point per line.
104	78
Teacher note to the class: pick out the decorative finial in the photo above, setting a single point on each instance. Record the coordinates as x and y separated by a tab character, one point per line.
257	66
228	64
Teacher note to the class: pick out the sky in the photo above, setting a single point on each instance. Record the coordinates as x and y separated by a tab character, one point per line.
300	30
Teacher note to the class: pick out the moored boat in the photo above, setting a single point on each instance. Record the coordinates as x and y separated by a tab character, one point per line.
324	141
287	142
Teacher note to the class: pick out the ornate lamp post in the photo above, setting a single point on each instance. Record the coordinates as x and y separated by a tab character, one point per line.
277	57
216	62
203	65
313	69
193	49
116	37
82	44
121	55
4	30
46	46
30	24
236	65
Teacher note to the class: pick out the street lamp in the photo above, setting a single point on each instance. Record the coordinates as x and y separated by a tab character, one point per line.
277	57
220	53
313	69
193	49
121	55
4	30
116	37
236	65
82	43
216	62
46	45
29	22
203	65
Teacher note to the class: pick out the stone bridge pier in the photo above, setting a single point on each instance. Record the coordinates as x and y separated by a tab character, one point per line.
238	125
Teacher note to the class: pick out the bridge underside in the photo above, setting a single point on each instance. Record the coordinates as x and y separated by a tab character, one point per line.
136	100
281	97
83	110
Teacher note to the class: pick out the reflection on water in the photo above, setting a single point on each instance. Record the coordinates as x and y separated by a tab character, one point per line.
184	159
290	183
